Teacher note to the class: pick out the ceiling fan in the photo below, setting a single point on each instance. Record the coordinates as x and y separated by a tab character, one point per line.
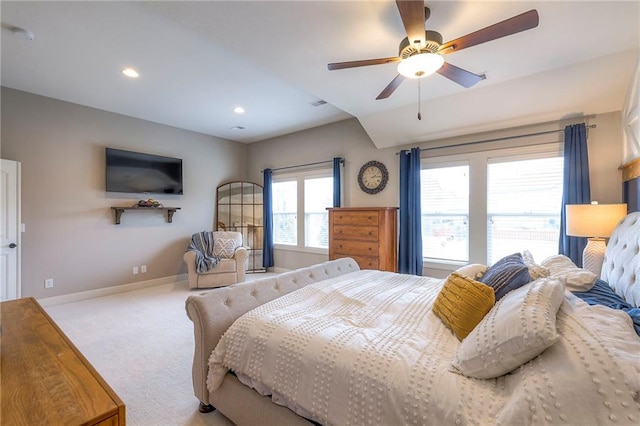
420	53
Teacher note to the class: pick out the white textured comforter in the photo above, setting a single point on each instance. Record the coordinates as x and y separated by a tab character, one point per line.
365	348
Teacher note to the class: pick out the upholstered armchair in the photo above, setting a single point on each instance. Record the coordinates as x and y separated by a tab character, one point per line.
229	270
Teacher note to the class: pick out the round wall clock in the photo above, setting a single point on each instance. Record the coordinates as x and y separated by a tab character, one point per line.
373	177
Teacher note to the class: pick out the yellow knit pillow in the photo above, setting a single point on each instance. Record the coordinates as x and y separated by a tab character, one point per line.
462	303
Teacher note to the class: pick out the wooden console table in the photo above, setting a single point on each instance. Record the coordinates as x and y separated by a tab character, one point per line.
45	378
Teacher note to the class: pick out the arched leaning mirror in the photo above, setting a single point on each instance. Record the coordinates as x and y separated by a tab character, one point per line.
239	208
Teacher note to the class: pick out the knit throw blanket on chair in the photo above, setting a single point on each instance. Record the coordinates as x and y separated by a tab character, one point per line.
202	244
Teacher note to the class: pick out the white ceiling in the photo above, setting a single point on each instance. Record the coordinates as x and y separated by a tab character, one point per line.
200	59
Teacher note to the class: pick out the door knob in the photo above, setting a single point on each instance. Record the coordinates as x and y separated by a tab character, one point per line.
12	245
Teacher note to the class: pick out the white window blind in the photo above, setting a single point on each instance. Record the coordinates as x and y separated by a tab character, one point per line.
524	197
445	212
318	195
285	212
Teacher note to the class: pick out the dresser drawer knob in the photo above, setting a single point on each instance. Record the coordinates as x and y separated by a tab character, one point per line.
369	248
370	232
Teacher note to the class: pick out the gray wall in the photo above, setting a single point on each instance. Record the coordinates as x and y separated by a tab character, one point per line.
349	140
345	139
70	233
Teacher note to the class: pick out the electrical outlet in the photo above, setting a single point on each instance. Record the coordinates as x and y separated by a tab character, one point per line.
143	269
48	283
135	270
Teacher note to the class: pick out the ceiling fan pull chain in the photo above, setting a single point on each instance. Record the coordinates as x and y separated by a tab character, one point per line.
419	99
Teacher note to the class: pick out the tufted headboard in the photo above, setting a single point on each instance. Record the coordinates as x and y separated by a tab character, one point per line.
621	267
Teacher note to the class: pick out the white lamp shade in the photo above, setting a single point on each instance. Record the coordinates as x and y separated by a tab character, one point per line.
420	65
593	220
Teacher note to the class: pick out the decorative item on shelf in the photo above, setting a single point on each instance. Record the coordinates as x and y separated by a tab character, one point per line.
148	203
373	177
596	222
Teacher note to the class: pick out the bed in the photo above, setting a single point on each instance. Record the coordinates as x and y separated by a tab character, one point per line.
331	344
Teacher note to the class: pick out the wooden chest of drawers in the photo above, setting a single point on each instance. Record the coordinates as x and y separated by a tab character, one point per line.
45	378
366	234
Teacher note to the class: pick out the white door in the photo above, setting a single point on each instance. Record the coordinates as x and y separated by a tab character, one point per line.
9	230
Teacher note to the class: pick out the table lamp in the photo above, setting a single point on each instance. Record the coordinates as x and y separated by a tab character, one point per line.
596	222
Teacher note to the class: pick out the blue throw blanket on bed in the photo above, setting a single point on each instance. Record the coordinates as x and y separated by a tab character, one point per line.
602	294
202	244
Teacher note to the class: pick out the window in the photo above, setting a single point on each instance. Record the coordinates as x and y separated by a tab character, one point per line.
285	212
445	212
300	202
479	207
318	195
524	198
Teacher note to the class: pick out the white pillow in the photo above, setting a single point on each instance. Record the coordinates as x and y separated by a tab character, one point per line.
535	271
473	270
518	328
574	278
224	248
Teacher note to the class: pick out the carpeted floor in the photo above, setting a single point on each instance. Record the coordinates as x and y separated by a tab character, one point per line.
141	342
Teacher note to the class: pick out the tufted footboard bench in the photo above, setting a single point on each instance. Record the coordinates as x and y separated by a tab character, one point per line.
214	311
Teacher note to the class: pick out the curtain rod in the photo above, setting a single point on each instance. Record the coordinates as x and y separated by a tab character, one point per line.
305	165
591	126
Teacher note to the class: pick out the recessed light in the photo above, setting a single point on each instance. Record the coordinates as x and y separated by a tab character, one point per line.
238	110
130	72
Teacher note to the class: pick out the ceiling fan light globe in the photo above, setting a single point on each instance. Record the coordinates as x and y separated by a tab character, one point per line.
420	65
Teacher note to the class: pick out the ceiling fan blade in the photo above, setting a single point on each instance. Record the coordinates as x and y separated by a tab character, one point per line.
363	63
458	75
522	22
391	87
412	14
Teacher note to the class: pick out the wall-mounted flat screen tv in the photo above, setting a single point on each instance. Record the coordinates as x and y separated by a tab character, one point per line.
136	172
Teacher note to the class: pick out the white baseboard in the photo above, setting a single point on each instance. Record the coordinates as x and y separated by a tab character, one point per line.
106	291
